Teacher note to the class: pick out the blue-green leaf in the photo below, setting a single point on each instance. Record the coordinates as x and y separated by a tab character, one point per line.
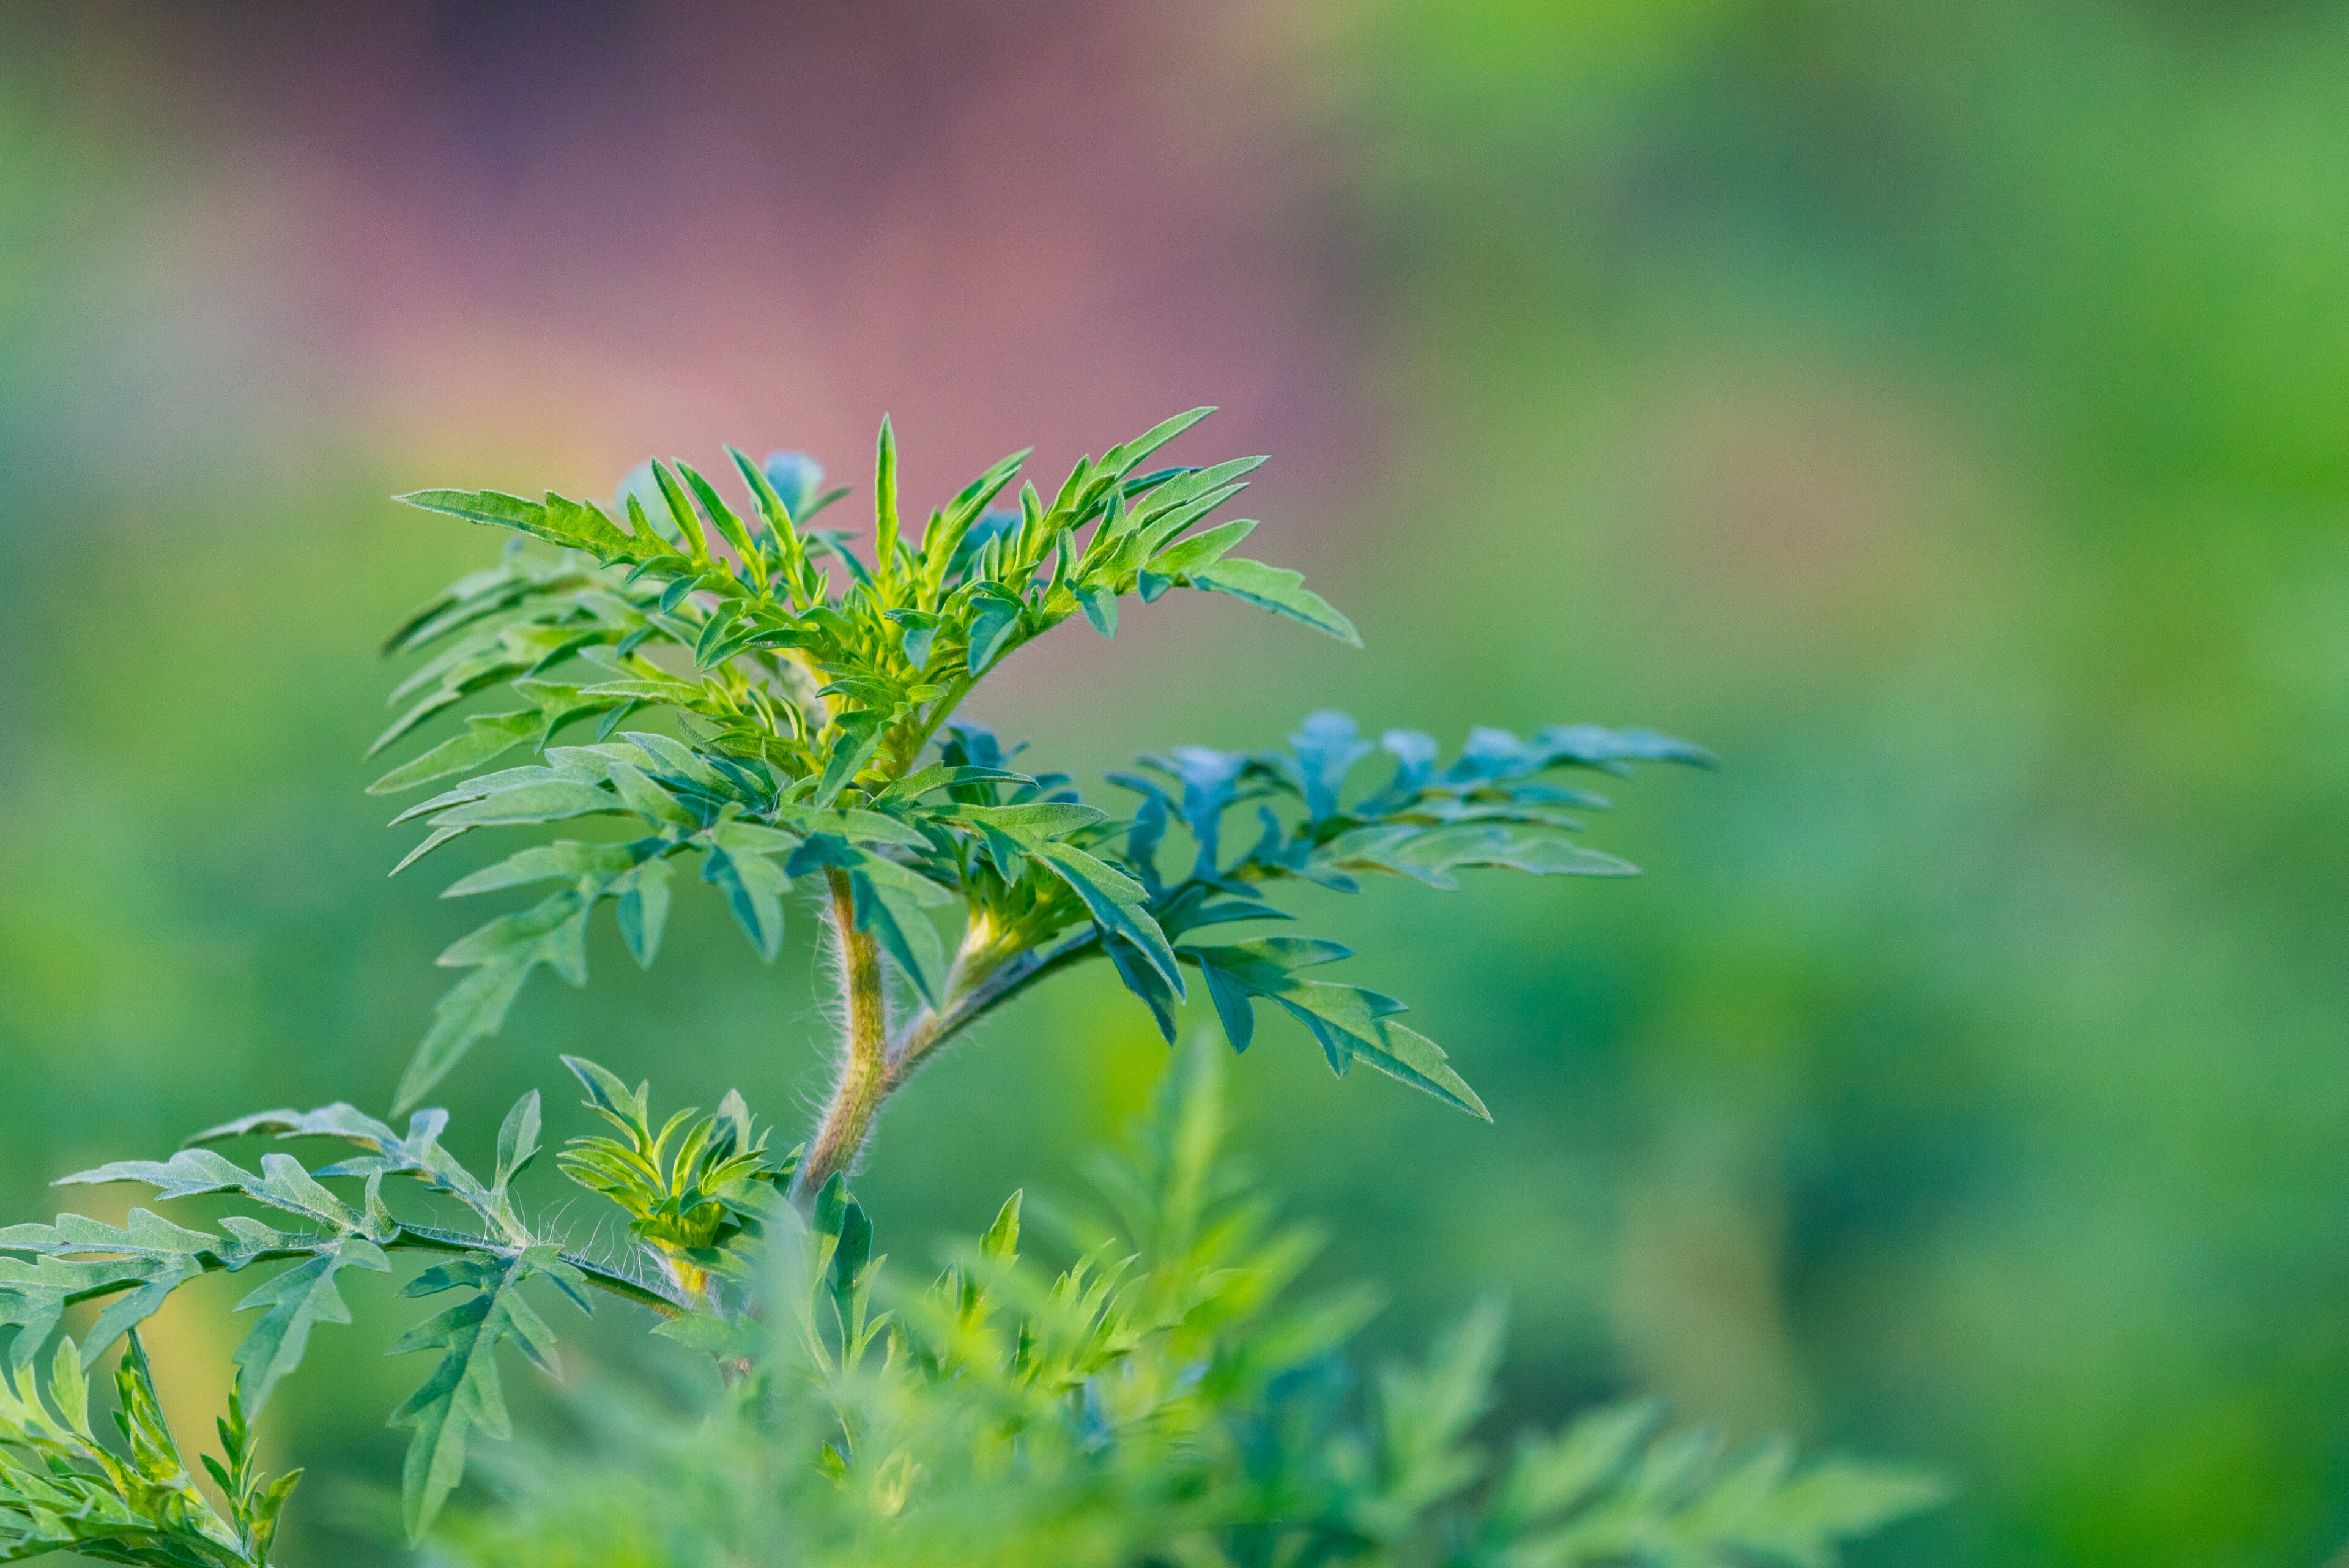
1350	1024
643	909
1119	903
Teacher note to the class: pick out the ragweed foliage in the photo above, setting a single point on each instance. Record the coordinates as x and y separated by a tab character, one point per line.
817	743
1167	1397
1163	1398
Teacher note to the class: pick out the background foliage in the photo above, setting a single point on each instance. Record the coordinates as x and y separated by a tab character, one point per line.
1936	411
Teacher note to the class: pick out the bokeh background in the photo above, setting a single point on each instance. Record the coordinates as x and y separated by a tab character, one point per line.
1941	411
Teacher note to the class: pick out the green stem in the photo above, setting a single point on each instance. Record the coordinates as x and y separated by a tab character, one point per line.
863	1081
911	752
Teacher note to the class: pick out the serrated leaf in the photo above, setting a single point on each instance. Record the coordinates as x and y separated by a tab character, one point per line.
505	951
941	775
298	1298
552	801
1430	854
568	860
145	1259
463	1395
1048	819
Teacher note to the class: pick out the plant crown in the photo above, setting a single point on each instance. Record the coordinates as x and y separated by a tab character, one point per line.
807	720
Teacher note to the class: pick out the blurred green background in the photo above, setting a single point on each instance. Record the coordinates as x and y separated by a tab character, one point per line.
1941	411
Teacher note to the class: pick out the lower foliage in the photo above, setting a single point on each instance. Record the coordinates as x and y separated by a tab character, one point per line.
1166	1400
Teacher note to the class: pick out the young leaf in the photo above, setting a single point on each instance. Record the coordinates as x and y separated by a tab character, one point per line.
1276	588
485	738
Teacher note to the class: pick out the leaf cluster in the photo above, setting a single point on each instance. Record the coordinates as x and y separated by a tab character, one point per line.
300	1236
816	736
73	1492
1166	1396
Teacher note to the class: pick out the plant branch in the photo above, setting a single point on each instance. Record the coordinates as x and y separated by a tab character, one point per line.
430	1238
930	1029
863	1081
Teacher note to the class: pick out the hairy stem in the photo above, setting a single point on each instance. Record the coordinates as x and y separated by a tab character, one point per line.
863	1081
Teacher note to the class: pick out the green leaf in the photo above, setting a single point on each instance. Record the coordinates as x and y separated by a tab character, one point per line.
647	799
1348	1021
737	537
754	887
680	510
1100	606
850	752
1203	550
552	801
991	628
568	860
282	1184
557	520
1140	977
1048	819
146	1259
1001	1243
644	894
517	1141
608	1093
486	737
505	951
940	776
1430	854
1276	588
296	1298
1124	458
463	1394
888	900
1119	903
885	502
